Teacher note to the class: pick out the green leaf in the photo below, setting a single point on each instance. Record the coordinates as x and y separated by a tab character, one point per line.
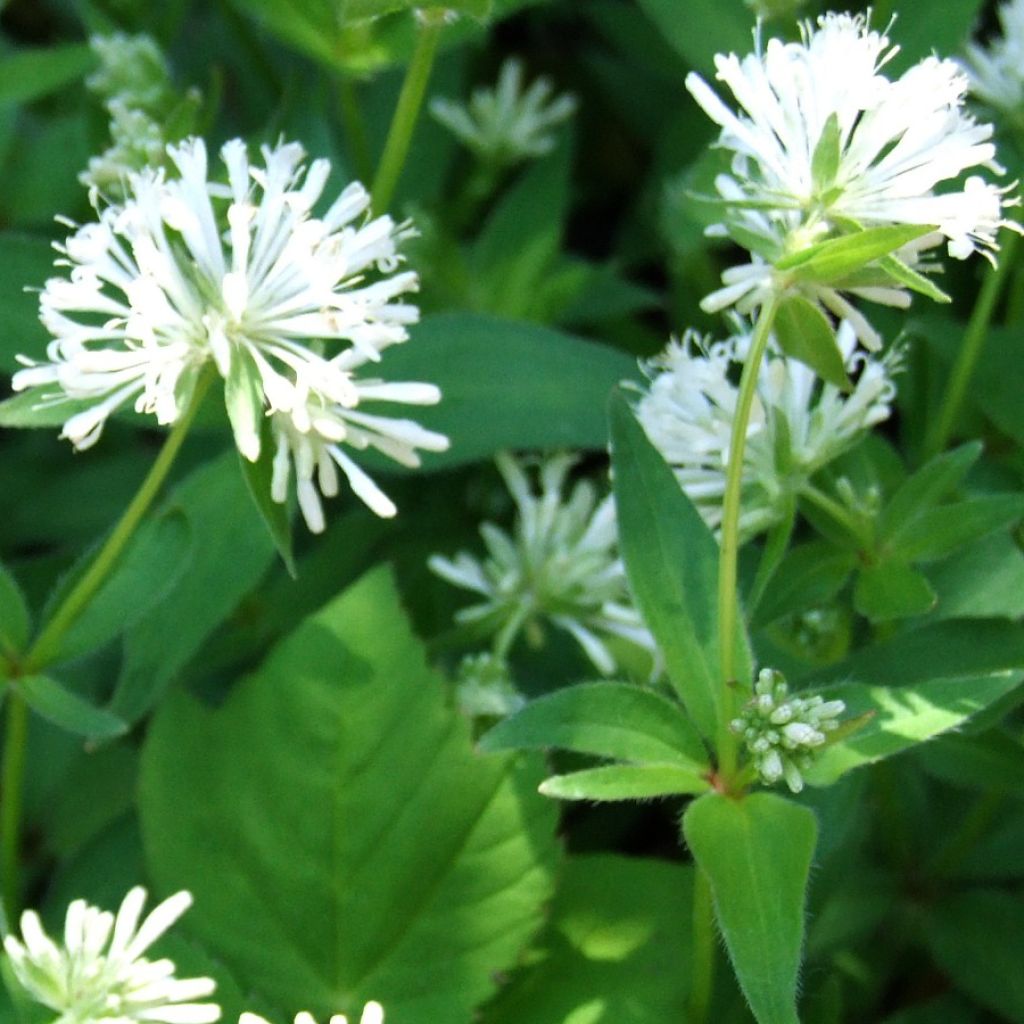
31	74
258	476
26	261
243	399
67	710
701	28
626	782
672	561
357	834
831	261
902	716
983	580
490	370
804	333
29	409
921	491
891	589
811	574
15	621
910	278
614	720
825	160
939	532
148	570
977	938
757	852
614	951
230	553
993	760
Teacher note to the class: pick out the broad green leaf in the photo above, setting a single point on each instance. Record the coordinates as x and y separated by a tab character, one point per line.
902	716
230	553
804	333
831	261
31	74
756	852
992	760
825	160
357	834
626	782
26	261
15	622
701	28
941	531
67	710
672	561
892	590
810	574
614	720
147	571
490	370
615	950
984	579
977	938
920	492
258	476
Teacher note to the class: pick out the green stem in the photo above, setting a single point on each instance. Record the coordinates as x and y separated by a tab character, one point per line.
410	100
12	772
727	592
973	343
47	645
838	512
702	963
355	128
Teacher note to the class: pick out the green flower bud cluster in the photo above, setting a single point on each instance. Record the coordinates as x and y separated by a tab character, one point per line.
783	733
484	687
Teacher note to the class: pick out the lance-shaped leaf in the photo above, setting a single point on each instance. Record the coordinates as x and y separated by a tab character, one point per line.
67	710
804	333
31	74
672	562
258	477
626	782
346	819
902	716
757	852
831	261
614	720
15	622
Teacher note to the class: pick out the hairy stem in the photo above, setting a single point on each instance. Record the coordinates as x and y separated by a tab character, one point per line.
47	644
730	544
971	348
403	124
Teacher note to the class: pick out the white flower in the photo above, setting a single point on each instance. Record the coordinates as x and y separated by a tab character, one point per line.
187	271
504	125
559	564
798	423
824	141
373	1013
783	732
997	71
99	975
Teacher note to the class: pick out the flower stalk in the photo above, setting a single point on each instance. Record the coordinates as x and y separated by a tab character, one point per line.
403	123
730	537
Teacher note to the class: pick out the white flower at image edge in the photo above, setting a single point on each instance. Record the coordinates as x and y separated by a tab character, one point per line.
895	142
996	71
798	423
289	306
99	973
373	1013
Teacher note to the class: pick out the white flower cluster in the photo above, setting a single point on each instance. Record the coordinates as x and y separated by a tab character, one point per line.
824	143
506	124
189	271
559	564
996	71
373	1013
134	81
98	975
783	732
798	424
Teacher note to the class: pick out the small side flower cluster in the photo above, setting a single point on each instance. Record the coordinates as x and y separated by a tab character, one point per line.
484	687
560	564
996	71
799	423
189	271
782	733
507	124
134	81
99	974
824	144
